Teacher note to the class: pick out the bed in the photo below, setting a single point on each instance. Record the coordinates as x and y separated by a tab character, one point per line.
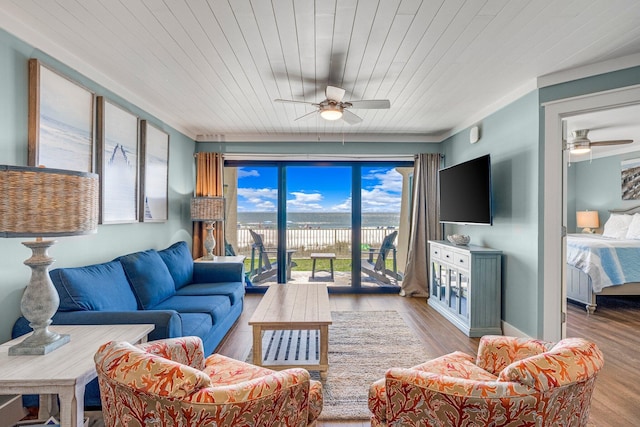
607	264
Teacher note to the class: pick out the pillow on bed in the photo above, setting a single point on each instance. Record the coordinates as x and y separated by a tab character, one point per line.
634	228
617	226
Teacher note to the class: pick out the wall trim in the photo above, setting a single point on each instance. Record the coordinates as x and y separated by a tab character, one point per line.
512	331
589	70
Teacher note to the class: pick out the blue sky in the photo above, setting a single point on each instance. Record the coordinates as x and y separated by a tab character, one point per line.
318	189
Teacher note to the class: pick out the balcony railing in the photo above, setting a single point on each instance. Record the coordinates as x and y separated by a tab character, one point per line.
306	241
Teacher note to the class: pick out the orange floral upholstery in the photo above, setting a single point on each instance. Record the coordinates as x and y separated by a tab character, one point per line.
511	382
170	383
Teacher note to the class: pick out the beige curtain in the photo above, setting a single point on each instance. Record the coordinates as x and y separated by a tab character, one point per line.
425	225
209	182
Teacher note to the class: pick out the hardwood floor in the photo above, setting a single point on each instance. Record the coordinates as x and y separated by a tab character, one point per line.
614	327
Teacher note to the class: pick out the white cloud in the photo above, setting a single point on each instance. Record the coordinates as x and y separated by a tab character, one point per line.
257	199
342	207
385	195
305	202
242	173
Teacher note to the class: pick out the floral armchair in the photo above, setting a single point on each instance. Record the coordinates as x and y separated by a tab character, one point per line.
511	382
169	382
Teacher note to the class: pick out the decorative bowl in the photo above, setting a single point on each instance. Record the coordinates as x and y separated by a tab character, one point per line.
459	239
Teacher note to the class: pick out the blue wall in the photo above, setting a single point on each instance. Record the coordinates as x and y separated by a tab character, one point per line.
111	240
597	187
511	137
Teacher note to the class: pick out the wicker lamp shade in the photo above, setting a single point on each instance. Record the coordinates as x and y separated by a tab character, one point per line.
207	209
41	202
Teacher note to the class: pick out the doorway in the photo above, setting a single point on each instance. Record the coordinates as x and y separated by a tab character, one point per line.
555	207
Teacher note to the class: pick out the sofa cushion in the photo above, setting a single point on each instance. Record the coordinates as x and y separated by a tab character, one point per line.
179	261
196	324
149	277
234	290
217	306
98	287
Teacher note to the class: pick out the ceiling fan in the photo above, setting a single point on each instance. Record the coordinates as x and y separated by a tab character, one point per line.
334	108
581	143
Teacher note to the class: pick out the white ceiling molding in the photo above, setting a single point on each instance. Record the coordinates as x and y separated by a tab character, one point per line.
589	70
347	137
320	157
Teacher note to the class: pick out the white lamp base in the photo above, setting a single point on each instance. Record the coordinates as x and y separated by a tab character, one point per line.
209	243
39	303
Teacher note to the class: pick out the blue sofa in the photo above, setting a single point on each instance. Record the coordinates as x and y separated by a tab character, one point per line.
165	288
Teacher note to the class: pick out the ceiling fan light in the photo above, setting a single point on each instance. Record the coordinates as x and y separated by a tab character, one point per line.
579	147
331	113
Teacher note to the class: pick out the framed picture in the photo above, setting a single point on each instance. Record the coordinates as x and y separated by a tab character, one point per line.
61	121
118	163
154	169
630	174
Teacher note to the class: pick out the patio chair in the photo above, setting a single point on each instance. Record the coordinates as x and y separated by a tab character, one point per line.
265	269
378	269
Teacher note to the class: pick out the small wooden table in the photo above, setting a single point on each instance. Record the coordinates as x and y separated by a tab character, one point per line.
322	255
65	371
293	307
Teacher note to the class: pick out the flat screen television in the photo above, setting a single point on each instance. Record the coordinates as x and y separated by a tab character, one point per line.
465	192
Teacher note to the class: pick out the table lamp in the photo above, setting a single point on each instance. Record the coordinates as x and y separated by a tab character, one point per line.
41	202
208	210
587	220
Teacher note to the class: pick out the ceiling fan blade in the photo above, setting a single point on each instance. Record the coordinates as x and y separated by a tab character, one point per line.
291	101
334	93
612	142
350	118
306	116
371	103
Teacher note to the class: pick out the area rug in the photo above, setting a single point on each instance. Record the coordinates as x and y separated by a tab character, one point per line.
362	346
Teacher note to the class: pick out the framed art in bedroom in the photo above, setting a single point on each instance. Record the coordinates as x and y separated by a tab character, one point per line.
60	122
630	177
154	170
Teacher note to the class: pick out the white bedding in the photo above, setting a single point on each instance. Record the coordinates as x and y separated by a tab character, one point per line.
607	261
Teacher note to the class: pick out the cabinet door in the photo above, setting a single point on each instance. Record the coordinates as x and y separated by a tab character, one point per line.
464	294
435	279
442	293
453	289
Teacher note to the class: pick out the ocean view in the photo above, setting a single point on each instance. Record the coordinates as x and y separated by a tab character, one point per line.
318	220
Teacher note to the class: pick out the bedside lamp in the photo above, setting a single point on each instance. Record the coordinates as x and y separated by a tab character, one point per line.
587	220
40	202
208	210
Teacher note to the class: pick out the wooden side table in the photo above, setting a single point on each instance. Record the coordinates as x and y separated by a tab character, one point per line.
323	255
67	370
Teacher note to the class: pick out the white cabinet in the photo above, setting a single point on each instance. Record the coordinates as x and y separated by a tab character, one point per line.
465	286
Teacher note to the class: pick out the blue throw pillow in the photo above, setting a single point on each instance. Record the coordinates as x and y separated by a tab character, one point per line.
149	277
99	287
179	261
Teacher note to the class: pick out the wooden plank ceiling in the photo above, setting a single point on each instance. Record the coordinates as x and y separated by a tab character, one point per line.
212	69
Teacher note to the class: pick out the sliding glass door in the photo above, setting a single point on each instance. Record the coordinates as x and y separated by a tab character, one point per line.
339	223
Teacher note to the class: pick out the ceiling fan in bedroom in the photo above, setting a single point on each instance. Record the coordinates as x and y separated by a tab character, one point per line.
581	143
334	108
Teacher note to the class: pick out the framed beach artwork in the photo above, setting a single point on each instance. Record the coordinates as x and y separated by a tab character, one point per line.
630	177
154	170
118	161
61	121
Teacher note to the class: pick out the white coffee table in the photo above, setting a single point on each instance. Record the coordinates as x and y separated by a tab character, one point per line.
65	371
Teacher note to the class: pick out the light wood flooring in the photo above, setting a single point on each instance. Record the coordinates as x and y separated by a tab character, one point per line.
614	327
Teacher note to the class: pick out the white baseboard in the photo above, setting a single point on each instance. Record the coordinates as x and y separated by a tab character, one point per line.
512	331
